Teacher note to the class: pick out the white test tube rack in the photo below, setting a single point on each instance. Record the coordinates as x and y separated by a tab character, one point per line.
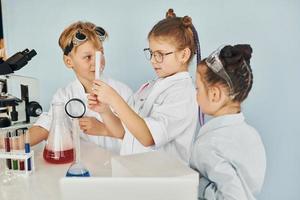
18	155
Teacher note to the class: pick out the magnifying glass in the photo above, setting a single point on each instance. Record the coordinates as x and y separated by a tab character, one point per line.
75	108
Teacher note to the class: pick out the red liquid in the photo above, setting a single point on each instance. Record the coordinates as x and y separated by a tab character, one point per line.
22	165
59	157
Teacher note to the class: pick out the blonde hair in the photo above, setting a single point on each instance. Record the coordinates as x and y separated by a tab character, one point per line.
86	28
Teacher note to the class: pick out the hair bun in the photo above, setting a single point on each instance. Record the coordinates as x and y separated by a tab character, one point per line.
170	13
230	55
187	21
245	50
234	54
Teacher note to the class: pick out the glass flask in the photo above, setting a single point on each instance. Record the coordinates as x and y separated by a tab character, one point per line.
59	146
77	168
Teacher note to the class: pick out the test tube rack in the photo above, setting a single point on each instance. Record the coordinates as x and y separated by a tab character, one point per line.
15	154
19	156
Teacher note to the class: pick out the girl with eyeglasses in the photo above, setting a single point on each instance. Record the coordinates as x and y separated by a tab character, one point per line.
162	114
228	153
79	42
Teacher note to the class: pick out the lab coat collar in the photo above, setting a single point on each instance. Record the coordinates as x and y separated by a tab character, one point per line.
178	76
79	86
159	86
222	121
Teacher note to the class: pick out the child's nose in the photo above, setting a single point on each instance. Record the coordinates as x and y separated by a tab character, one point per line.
92	64
92	68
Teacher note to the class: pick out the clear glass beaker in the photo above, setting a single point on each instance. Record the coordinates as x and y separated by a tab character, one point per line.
59	146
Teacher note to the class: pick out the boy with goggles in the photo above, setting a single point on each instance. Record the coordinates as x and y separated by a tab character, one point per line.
79	43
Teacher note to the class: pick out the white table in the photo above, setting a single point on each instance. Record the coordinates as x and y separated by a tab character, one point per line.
43	184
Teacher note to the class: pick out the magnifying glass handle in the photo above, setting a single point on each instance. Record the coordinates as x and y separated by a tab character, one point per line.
76	138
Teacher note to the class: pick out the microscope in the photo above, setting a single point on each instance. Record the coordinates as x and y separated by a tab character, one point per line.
19	105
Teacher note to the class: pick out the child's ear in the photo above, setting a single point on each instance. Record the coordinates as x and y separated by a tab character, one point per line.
214	94
186	54
68	61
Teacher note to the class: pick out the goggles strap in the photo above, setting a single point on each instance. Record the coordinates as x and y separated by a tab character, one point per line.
214	63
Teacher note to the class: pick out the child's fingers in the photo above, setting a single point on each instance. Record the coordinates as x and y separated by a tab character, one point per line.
84	119
93	100
95	91
92	97
91	103
82	127
98	82
92	107
82	123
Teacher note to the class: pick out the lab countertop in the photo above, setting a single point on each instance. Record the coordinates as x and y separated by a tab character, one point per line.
43	183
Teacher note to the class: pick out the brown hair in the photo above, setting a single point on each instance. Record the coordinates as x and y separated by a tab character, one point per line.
177	29
87	28
236	62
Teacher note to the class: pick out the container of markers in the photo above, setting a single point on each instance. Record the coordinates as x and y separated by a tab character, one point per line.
15	154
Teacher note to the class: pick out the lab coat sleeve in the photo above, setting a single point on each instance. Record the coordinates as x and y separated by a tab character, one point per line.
218	177
126	93
44	120
122	89
170	117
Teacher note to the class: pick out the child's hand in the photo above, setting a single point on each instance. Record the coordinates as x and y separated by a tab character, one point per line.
89	125
104	93
96	105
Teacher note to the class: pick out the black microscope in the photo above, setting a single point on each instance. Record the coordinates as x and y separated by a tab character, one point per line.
18	94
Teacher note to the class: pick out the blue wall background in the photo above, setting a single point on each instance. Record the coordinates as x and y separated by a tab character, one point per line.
271	27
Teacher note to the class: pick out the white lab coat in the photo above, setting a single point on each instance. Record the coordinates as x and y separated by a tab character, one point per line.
230	158
76	90
169	108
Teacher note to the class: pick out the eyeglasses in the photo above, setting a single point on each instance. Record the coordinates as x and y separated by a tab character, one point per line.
214	63
81	37
158	56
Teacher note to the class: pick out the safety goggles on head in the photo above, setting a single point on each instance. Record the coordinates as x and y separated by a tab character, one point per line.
79	38
214	63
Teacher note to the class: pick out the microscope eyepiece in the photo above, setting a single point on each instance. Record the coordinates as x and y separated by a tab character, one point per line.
29	54
16	62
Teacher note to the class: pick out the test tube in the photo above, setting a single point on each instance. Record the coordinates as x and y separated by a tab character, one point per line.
7	148
21	147
15	146
27	149
1	149
1	140
98	69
